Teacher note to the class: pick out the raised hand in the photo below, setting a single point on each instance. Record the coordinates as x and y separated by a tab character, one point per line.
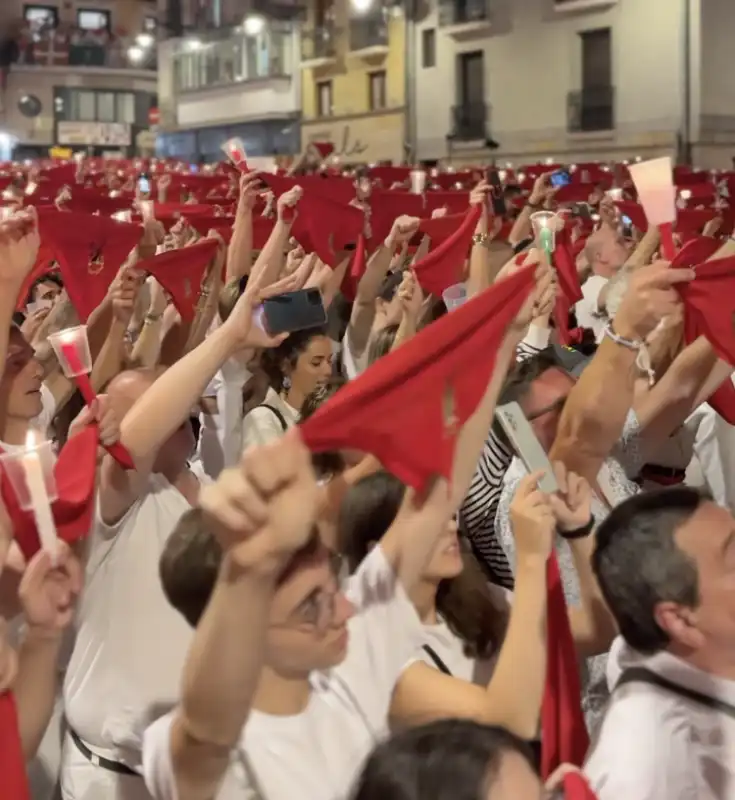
572	504
266	507
532	519
48	593
19	243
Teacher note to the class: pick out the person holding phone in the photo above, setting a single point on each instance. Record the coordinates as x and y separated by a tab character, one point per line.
295	369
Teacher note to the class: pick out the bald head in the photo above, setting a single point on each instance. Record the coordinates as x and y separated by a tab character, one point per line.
126	387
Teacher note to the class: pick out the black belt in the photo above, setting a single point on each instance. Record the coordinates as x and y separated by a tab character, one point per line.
99	761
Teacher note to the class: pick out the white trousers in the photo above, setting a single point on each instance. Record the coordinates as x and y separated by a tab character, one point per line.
82	780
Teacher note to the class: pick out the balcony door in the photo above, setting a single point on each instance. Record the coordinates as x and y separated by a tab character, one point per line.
596	108
470	117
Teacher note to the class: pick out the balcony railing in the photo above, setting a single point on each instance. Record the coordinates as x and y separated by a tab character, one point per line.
319	43
73	47
469	122
234	60
459	12
591	109
367	33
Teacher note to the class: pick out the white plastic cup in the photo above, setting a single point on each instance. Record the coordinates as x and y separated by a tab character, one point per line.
418	181
72	350
15	465
455	296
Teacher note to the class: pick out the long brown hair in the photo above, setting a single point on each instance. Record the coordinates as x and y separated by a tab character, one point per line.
473	610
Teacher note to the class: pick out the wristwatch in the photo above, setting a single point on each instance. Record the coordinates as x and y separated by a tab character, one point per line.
481	239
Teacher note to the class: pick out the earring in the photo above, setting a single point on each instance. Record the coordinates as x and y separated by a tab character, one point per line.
286	383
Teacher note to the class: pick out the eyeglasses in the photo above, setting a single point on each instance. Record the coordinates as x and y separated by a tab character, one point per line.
556	406
318	610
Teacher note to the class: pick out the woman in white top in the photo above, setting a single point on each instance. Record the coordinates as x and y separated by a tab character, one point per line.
464	617
295	369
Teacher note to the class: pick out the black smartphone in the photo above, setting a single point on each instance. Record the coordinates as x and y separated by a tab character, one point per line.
561	177
292	311
497	196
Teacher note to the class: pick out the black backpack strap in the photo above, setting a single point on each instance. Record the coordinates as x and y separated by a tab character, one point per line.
281	418
434	656
643	675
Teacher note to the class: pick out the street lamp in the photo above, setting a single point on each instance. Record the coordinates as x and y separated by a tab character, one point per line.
362	6
254	25
136	54
144	40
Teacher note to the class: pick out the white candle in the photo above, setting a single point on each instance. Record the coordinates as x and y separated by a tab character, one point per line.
40	503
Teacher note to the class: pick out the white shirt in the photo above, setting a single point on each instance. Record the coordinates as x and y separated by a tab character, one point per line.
353	364
220	439
131	644
588	311
657	745
261	425
316	755
450	649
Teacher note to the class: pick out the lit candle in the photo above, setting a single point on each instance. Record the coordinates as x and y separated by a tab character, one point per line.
39	498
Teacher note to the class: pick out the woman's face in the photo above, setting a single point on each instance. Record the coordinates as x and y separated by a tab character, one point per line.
313	366
446	560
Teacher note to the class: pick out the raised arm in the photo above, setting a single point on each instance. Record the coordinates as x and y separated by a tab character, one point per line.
261	512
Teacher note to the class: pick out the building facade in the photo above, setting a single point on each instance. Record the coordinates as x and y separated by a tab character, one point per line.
76	74
573	80
225	70
353	69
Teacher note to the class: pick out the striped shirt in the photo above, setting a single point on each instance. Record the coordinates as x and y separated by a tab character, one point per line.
477	514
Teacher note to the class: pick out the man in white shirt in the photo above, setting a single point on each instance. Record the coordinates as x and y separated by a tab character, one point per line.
665	562
289	680
130	644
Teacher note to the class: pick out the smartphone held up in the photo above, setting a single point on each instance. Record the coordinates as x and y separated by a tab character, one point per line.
291	312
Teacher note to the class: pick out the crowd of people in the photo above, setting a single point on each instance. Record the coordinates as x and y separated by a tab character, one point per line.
266	533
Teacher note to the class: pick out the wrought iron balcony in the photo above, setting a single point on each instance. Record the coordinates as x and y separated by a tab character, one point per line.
368	33
460	12
469	122
319	43
591	109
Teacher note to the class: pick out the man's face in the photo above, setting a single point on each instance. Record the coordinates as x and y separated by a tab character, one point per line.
308	622
20	386
544	402
708	538
46	292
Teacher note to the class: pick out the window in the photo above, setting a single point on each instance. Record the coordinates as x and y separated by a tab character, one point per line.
90	19
91	106
376	91
39	16
324	98
83	107
428	47
105	107
126	107
592	108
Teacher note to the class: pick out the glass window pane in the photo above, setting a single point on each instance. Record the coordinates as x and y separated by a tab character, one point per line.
106	107
90	20
82	107
126	108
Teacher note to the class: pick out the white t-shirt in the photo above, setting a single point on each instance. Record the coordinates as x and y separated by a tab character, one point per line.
450	649
316	755
220	438
657	745
261	425
131	644
353	364
588	312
